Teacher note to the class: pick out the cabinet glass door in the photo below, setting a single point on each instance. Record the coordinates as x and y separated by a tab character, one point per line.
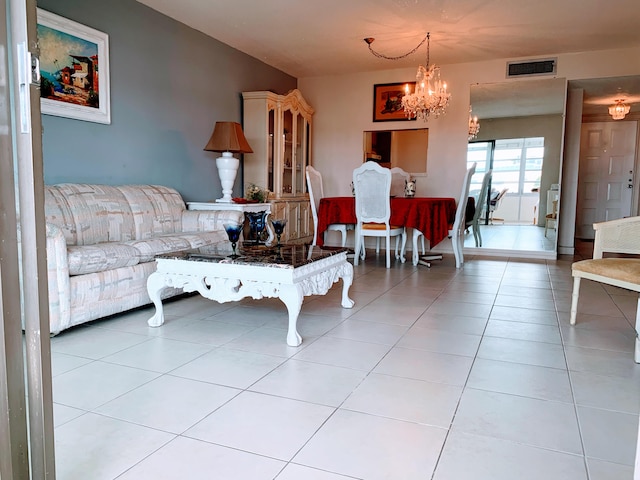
300	155
288	153
270	152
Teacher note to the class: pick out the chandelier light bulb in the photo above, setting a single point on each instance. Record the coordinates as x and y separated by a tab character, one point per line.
619	110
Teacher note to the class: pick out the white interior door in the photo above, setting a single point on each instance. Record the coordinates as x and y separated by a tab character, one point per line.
605	179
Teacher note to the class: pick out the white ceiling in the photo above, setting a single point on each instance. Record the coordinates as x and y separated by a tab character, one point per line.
320	37
324	37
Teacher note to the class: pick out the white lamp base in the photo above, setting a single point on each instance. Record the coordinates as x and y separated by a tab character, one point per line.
227	169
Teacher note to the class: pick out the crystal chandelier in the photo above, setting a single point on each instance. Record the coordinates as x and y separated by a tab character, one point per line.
430	96
619	110
474	126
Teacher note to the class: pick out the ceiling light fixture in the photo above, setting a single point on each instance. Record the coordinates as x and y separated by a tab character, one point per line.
430	96
619	110
474	125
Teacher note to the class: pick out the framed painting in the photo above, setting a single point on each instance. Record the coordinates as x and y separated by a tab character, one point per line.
74	69
387	101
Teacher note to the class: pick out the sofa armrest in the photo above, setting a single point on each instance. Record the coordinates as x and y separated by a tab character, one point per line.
58	279
209	220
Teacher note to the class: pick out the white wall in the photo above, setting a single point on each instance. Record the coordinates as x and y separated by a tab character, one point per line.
343	110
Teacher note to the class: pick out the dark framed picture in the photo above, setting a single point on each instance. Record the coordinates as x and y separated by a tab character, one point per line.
74	69
387	101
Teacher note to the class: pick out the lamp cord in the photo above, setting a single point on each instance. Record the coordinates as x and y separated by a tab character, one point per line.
369	41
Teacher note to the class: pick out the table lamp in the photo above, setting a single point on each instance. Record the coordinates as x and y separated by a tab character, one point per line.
227	137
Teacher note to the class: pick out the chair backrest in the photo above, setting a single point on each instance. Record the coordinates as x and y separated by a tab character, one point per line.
495	202
398	179
617	236
314	185
459	222
481	201
372	185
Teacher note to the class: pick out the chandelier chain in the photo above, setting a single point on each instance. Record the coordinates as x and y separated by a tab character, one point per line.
399	57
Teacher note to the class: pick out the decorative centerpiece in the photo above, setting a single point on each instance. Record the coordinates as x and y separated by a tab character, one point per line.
256	194
257	224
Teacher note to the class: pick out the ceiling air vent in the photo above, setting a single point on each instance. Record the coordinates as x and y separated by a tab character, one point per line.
547	66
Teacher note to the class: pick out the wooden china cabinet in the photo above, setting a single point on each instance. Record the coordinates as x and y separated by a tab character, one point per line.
278	128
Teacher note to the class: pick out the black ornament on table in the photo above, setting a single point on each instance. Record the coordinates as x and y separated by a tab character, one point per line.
278	228
233	232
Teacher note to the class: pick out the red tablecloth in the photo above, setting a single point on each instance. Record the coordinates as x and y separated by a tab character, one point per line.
431	215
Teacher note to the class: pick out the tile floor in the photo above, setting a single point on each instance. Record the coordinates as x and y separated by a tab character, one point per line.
436	373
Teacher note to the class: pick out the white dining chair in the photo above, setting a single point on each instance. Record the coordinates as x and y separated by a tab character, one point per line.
372	185
457	232
481	205
459	224
314	184
398	179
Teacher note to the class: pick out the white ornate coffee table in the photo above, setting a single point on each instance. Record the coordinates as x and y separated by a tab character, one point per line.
289	273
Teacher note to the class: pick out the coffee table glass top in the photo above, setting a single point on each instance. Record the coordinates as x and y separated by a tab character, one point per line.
285	256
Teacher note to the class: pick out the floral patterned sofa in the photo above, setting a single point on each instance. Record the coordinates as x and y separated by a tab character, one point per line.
101	243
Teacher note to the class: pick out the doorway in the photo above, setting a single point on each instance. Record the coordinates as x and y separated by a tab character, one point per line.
606	174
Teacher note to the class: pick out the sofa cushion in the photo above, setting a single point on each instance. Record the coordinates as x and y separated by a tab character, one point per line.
149	248
103	256
156	209
202	239
89	214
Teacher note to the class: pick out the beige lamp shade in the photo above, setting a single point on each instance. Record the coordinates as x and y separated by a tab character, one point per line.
228	137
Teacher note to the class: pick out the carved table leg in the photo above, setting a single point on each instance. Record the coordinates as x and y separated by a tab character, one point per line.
347	279
155	285
291	296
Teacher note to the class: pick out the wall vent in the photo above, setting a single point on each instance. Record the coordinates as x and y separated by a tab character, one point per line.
547	66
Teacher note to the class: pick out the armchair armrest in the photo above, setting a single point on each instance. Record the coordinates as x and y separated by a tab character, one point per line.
209	220
58	279
617	236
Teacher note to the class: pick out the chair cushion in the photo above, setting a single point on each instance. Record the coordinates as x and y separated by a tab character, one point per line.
623	269
102	256
378	226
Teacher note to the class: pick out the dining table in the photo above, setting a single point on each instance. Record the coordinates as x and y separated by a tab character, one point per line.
432	216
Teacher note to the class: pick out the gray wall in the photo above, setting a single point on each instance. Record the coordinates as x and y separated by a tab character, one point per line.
169	85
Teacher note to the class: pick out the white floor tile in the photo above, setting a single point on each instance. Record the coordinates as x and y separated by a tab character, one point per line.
225	366
344	353
440	341
262	424
158	354
310	382
522	351
406	399
539	423
101	448
372	447
609	436
171	404
520	379
611	393
532	332
298	472
600	470
94	342
467	456
369	332
191	459
452	323
428	366
96	383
